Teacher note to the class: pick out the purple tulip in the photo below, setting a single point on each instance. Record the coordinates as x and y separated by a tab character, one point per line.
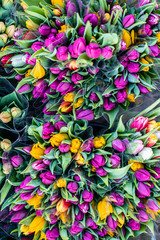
47	178
81	30
101	172
19	77
121	96
108	105
90	223
76	228
79	216
55	69
24	184
88	236
143	2
37	46
145	30
153	19
142	175
116	8
40	88
27	149
16	160
17	189
18	207
92	18
118	145
107	52
39	192
77	178
54	85
102	233
111	222
143	190
64	147
154	50
115	161
48	129
78	47
59	125
76	77
26	87
84	207
152	205
45	95
48	150
133	67
117	199
62	74
123	45
134	225
72	187
52	234
44	30
85	114
64	87
93	70
142	88
128	20
39	212
87	196
39	165
141	205
71	9
18	216
88	146
157	174
94	97
120	82
62	53
142	216
98	161
26	196
132	54
93	50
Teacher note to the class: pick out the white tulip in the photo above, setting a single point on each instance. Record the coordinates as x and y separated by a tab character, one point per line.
157	133
146	153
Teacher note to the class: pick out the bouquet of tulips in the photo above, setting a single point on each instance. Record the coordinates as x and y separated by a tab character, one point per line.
71	185
86	59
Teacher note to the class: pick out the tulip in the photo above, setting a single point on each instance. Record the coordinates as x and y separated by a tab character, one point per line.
133	67
7	168
10	31
152	205
38	71
79	216
40	88
88	146
99	142
64	147
78	47
87	196
92	18
26	196
26	87
85	114
121	96
44	30
16	112
52	234
115	161
5	59
55	70
16	160
64	87
18	207
146	153
47	178
151	140
72	187
73	65
48	129
139	123
118	145
39	165
120	82
24	184
62	53
107	52
3	39
81	30
133	54
142	175
84	207
18	216
117	199
76	228
145	30
153	19
101	172
76	77
27	149
111	222
102	233
37	46
5	117
98	161
124	61
6	145
59	125
93	70
90	223
143	2
134	225
88	236
62	75
93	50
135	146
157	174
123	45
19	77
142	88
53	218
143	190
2	27
154	50
108	105
116	8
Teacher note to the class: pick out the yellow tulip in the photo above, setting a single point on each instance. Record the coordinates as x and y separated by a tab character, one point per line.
37	224
158	37
99	142
64	28
43	236
79	159
31	25
25	229
28	73
37	151
75	145
104	209
24	6
79	102
56	139
57	2
144	61
127	38
38	71
61	183
65	217
130	97
69	97
35	201
136	165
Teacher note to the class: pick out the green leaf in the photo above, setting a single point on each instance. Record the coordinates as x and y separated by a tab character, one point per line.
88	32
4	191
148	109
36	12
66	159
26	43
64	234
117	173
112	115
108	39
121	127
28	220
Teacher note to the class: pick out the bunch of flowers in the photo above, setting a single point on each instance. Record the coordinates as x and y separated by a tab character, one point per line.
72	185
87	60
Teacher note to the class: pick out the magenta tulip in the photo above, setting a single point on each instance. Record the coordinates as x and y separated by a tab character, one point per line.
62	53
139	123
120	82
118	145
93	50
48	129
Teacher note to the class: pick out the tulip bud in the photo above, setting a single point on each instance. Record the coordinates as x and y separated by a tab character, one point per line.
31	25
156	175
115	161
73	65
143	190
72	187
128	20
24	88
3	39
153	19
6	145
108	105
139	123
18	216
133	67
118	145
142	175
7	168
120	82
57	12
10	30
98	161
152	205
44	30
5	117
16	112
146	153
92	18
85	114
62	53
2	27
93	50
134	225
38	71
65	107
16	160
